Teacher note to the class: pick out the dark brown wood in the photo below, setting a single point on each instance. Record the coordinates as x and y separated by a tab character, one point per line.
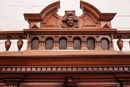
7	43
68	51
90	9
120	44
70	20
12	34
20	43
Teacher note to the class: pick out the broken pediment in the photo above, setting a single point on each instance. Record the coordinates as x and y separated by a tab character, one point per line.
89	31
91	18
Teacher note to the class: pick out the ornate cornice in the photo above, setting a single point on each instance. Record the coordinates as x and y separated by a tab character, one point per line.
60	69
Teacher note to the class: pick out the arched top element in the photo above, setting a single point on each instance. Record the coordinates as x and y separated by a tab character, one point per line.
50	9
40	16
86	7
90	19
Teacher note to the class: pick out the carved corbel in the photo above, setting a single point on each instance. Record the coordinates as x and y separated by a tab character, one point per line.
69	82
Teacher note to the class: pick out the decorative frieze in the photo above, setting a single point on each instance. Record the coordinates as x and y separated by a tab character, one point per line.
60	69
94	42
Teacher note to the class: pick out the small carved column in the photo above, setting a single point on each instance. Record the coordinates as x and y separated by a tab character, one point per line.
70	43
12	82
111	45
28	42
29	45
56	43
41	43
98	45
7	43
83	43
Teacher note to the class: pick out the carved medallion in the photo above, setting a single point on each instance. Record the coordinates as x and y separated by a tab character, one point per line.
70	20
69	82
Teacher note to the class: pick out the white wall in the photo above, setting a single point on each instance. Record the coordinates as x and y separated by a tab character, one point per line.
11	12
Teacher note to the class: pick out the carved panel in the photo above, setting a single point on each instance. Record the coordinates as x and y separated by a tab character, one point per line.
88	21
52	21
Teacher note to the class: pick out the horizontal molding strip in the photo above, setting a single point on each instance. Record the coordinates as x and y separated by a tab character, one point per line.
58	69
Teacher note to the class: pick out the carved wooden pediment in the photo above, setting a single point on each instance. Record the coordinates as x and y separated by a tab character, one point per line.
48	18
48	27
66	51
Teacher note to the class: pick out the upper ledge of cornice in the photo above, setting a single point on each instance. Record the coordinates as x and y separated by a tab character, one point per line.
65	53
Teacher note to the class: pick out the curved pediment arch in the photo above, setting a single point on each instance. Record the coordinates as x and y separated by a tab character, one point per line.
50	9
48	18
86	7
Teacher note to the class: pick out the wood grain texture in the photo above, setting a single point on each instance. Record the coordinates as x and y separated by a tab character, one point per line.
41	67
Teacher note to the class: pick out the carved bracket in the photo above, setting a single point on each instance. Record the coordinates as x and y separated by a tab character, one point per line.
69	82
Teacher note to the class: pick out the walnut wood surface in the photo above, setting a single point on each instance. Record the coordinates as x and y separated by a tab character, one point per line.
51	68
